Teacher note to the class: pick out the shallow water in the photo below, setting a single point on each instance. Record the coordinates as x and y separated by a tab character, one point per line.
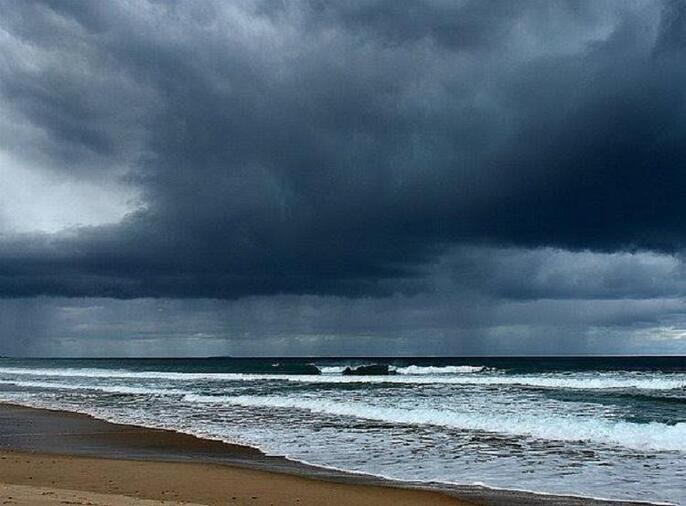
602	427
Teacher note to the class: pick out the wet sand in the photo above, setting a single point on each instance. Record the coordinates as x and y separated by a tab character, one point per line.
23	495
180	482
53	454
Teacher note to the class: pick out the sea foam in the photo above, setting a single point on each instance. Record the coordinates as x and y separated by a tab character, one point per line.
598	381
635	436
439	370
110	389
414	370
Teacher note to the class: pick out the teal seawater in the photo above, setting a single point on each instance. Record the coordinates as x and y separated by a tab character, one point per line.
611	427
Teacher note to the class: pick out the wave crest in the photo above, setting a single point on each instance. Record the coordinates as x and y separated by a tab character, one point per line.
635	436
552	381
419	370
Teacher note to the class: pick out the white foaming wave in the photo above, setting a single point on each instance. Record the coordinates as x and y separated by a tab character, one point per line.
331	369
153	375
588	382
437	370
111	389
598	382
78	372
123	374
413	370
642	437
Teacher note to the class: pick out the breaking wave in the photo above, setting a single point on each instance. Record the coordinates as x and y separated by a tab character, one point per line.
110	389
550	381
414	370
635	436
436	370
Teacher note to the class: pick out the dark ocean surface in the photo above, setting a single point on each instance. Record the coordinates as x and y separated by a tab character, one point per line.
609	427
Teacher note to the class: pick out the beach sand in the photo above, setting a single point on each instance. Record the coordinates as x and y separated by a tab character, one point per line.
22	495
49	478
52	457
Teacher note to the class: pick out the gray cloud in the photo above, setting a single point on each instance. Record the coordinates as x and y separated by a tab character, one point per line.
320	148
408	154
520	274
509	301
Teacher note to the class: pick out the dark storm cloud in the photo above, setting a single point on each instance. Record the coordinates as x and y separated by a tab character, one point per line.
520	274
446	323
345	148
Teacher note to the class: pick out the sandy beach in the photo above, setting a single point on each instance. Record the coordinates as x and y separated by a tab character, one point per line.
52	479
55	457
47	458
23	495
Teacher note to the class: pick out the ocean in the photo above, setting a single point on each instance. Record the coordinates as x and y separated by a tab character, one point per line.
605	427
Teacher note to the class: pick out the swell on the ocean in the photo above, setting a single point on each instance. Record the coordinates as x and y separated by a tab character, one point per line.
642	437
586	427
598	381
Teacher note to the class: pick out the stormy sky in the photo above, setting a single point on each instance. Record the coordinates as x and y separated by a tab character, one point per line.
386	177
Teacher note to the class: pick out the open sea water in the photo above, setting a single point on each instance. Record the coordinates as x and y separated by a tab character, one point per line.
602	427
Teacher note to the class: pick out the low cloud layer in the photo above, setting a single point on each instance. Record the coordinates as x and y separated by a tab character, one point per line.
475	301
502	156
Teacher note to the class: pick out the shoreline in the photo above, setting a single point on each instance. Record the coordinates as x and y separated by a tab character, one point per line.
41	433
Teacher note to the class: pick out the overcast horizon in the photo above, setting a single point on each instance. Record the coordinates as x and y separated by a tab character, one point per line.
313	178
